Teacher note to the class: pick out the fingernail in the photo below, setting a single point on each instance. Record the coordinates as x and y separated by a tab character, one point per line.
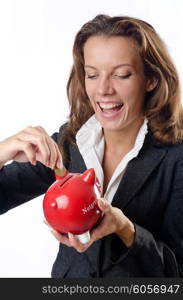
71	235
104	202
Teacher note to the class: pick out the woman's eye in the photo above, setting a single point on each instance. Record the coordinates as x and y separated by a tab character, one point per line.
123	76
90	76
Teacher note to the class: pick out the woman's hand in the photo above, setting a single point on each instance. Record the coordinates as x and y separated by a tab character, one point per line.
113	221
31	145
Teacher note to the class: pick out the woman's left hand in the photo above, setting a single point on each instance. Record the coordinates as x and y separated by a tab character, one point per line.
113	221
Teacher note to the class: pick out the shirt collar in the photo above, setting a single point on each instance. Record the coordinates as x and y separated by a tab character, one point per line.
90	134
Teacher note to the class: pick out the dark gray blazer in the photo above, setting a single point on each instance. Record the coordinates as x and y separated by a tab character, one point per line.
150	195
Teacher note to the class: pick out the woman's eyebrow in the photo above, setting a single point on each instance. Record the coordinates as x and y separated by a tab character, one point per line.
87	66
114	68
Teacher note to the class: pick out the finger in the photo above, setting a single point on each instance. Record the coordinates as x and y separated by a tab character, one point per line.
43	150
37	130
56	161
38	135
97	233
52	146
55	156
25	149
104	205
59	162
41	129
52	152
75	243
104	227
62	238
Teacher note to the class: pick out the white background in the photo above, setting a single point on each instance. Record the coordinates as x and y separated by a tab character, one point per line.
36	38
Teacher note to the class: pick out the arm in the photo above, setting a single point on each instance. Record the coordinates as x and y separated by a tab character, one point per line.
165	253
31	174
158	254
21	182
132	247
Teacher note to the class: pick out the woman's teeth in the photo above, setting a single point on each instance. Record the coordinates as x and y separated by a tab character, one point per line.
109	106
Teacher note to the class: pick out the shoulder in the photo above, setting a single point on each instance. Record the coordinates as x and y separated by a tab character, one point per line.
150	141
56	136
63	129
174	158
171	153
175	150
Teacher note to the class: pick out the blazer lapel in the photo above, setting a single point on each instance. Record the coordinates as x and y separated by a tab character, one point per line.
138	171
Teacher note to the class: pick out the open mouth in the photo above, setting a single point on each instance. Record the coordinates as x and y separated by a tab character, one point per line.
110	107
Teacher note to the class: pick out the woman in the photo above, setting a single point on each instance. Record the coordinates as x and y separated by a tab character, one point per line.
126	122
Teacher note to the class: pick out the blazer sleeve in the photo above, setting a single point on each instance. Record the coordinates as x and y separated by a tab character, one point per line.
21	182
162	257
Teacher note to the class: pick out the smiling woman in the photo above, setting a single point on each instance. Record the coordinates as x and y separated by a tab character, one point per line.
126	122
162	105
115	82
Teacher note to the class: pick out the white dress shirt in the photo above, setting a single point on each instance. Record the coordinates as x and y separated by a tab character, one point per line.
90	141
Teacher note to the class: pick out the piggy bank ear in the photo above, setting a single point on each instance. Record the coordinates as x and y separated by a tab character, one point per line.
89	176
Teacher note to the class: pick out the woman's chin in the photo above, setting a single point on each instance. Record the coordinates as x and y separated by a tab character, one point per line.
112	126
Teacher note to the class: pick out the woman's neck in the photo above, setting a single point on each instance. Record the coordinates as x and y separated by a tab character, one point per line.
124	138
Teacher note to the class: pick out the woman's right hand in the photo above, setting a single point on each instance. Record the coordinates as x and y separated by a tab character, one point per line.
31	145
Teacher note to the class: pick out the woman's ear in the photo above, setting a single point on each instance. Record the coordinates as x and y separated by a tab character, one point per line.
151	84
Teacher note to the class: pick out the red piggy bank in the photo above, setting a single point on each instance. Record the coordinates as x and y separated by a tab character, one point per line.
70	204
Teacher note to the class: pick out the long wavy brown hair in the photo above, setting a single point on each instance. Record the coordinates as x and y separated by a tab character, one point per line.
162	106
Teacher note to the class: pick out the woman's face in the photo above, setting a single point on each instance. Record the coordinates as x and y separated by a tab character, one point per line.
114	80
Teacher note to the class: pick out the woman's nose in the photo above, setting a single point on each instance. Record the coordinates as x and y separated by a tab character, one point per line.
105	87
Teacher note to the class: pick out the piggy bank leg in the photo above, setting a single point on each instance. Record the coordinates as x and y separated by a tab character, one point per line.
84	237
